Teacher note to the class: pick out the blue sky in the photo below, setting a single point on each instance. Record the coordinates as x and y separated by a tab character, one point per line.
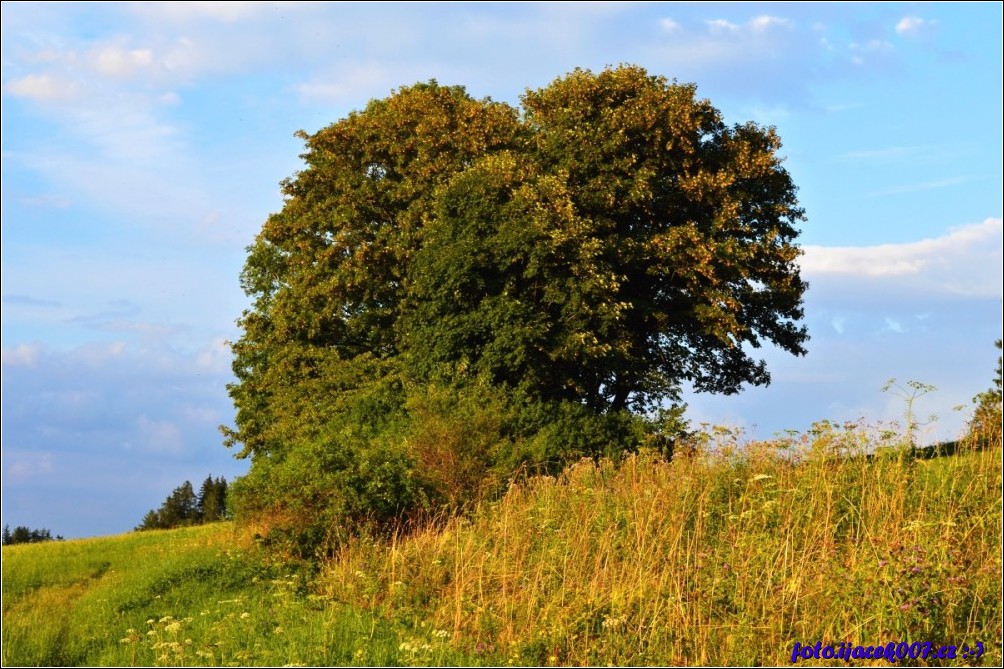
143	145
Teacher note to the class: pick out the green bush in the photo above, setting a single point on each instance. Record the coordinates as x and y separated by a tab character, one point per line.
397	454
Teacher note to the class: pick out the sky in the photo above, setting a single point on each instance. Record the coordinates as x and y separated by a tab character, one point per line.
143	145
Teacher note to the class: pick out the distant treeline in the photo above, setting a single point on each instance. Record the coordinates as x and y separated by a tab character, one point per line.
183	507
25	535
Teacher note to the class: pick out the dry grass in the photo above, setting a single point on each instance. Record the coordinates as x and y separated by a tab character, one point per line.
725	557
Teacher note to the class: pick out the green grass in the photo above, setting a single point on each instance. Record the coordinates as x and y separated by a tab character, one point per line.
182	597
724	555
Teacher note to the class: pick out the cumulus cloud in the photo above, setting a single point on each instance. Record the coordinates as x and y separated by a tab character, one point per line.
722	26
43	88
115	61
765	22
964	261
22	355
669	25
913	25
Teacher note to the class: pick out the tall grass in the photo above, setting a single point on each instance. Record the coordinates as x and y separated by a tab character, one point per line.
726	555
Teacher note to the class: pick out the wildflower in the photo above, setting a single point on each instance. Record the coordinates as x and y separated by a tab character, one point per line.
173	628
442	634
609	623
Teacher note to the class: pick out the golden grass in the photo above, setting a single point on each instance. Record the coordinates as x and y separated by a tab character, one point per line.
729	556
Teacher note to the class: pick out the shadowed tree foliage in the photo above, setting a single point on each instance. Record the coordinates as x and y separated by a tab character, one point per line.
541	280
212	503
25	535
183	507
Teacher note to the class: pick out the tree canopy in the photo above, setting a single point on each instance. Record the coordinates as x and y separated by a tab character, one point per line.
609	241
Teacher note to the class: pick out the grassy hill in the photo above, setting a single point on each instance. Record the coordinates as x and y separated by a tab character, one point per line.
192	596
724	555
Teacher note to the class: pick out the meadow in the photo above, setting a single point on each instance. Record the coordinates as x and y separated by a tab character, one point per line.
728	554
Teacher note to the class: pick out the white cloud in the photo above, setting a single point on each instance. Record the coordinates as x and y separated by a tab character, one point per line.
893	325
721	25
669	25
966	261
765	22
22	355
43	87
913	25
765	58
115	61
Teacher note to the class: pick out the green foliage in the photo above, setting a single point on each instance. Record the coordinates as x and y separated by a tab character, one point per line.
25	535
182	507
456	291
212	503
985	426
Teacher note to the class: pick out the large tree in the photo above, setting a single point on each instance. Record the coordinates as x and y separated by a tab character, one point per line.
328	273
635	242
610	241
